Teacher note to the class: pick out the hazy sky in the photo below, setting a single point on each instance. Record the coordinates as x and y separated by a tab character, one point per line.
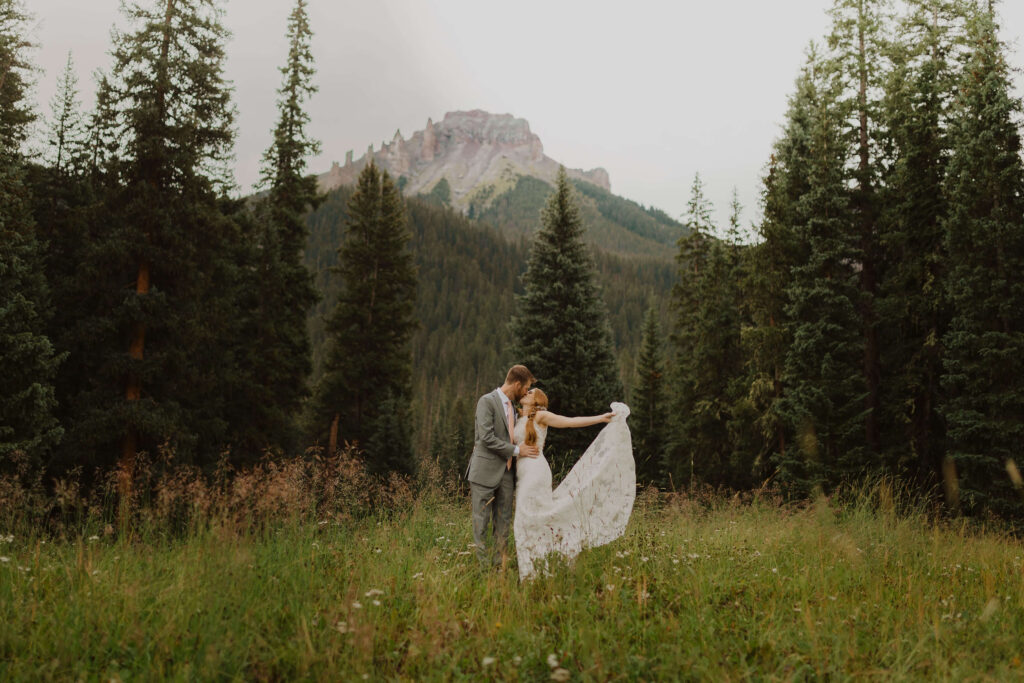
653	91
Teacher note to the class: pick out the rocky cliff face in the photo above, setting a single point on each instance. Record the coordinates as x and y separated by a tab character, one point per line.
480	154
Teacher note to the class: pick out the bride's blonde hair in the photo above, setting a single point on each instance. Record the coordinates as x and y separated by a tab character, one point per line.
540	402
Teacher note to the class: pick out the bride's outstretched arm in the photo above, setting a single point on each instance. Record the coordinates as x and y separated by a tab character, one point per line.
550	419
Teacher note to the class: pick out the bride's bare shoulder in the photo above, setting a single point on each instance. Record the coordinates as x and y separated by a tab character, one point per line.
541	417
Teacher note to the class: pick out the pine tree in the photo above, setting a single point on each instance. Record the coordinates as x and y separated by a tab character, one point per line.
681	454
561	329
365	390
823	371
767	339
28	362
911	305
858	41
159	355
282	286
649	420
708	359
984	231
67	128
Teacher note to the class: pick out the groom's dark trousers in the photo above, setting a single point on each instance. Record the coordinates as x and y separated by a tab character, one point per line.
491	483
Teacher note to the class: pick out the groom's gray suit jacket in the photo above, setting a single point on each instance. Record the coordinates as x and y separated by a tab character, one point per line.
492	445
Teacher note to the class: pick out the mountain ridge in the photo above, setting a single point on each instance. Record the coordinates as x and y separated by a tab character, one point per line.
492	167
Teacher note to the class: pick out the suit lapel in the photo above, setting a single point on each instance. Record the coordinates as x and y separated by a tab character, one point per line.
504	415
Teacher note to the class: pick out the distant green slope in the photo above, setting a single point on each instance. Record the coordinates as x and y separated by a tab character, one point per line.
613	223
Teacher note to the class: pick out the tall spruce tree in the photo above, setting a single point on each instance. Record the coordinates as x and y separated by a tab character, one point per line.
680	456
28	362
363	396
912	303
158	333
708	359
282	287
767	338
823	369
984	231
858	47
560	330
649	421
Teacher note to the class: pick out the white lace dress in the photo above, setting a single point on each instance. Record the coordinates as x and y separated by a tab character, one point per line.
589	508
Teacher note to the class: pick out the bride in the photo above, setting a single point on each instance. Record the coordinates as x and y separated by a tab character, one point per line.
592	504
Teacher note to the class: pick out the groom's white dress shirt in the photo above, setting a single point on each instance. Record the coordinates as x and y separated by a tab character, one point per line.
506	405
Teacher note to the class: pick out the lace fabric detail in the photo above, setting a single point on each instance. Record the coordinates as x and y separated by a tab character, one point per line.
591	506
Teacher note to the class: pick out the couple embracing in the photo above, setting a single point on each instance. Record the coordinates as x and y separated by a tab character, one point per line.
590	507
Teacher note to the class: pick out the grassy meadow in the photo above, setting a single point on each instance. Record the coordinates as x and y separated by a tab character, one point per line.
697	589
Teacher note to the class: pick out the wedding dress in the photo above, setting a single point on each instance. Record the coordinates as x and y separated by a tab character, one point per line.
589	508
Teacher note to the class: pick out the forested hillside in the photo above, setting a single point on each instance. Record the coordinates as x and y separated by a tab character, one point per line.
469	276
613	223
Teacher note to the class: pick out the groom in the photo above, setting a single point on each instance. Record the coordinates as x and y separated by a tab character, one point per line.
491	471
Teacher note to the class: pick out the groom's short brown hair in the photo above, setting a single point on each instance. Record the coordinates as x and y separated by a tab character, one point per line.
519	373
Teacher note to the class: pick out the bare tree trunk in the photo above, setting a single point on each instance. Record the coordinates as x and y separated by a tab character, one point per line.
332	443
133	385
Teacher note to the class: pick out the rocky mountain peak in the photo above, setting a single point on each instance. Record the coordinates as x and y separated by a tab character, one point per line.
480	154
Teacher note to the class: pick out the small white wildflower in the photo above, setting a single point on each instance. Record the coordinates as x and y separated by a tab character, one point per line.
439	539
610	587
832	598
517	660
675	561
4	559
464	552
560	675
376	603
322	522
553	658
775	570
372	592
341	627
693	556
9	538
94	538
377	550
417	575
644	558
488	661
356	604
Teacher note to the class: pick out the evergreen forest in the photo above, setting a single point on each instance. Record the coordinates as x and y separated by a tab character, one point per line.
869	322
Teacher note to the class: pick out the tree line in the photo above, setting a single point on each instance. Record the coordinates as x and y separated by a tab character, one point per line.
152	311
876	323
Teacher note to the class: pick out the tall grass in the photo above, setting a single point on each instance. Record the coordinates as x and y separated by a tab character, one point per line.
867	584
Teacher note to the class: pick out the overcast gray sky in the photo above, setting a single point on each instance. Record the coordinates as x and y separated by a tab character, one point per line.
653	91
